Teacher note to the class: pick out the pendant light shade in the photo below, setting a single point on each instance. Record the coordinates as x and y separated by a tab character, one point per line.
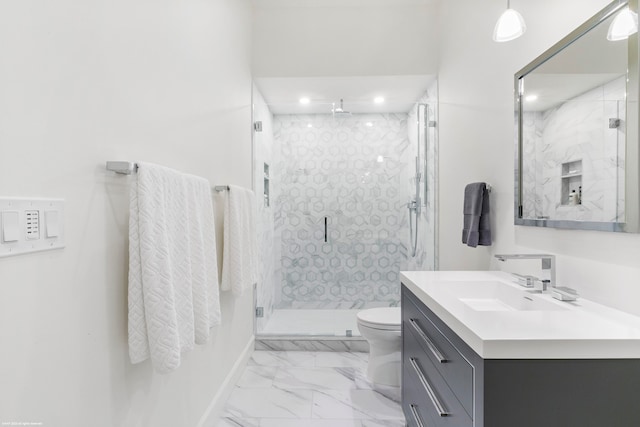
624	24
510	26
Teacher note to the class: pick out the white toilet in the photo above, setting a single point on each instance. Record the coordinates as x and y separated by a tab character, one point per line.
381	328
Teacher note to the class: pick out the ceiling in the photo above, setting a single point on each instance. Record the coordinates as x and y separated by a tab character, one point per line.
585	64
555	89
400	93
340	3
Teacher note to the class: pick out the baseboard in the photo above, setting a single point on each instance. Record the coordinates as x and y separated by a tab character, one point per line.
214	410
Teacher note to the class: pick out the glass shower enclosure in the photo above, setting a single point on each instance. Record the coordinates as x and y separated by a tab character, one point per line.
345	202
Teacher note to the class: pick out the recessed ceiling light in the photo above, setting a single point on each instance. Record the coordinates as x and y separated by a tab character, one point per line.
369	124
309	125
378	99
380	159
304	100
530	98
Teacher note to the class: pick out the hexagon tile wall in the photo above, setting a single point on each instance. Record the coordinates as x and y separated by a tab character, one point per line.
329	169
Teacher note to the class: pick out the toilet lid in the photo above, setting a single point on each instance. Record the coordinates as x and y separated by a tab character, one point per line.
381	318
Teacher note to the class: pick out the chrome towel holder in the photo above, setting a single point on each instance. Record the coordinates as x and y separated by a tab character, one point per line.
128	168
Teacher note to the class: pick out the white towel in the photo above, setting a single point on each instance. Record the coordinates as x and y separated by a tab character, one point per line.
204	260
173	292
239	256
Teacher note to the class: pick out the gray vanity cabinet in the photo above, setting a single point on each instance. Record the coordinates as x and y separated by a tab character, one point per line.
445	383
437	377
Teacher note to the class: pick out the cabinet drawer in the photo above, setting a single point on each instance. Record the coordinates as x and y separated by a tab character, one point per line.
414	402
427	395
449	362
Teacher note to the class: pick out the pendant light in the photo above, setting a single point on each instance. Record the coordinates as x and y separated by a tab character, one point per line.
624	24
510	25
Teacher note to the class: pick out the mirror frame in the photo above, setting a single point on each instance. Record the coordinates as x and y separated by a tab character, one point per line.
632	163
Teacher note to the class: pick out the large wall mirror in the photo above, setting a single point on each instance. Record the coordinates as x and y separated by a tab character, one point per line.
577	130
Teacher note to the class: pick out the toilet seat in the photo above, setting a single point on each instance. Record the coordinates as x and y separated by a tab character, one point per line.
384	318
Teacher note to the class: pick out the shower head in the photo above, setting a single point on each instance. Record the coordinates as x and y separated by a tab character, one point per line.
340	111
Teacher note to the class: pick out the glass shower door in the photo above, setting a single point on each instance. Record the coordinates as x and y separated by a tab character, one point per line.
338	229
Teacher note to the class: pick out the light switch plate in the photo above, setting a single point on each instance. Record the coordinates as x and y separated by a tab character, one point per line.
10	226
52	223
40	225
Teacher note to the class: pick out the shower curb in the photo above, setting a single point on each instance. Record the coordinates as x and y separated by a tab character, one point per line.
283	343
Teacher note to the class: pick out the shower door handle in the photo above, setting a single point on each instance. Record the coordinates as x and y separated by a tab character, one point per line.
325	229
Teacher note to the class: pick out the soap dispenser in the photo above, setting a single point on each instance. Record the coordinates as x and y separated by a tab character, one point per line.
573	198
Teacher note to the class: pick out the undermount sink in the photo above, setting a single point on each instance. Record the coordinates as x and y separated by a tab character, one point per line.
497	296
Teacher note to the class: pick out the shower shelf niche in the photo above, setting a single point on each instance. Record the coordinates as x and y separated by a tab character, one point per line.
571	177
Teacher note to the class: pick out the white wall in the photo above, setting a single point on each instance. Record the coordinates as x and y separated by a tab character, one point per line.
476	144
311	38
165	81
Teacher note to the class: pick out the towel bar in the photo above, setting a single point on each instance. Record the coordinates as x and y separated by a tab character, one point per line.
124	168
127	168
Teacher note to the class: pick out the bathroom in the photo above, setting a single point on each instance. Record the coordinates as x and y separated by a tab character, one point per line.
171	83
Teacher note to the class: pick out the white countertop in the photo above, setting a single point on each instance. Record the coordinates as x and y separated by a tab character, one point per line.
580	329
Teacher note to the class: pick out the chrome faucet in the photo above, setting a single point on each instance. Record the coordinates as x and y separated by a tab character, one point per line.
548	266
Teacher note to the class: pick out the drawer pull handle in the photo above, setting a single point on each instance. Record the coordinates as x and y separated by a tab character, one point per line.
416	417
432	396
432	347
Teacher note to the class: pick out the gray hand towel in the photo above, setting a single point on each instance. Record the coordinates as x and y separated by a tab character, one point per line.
477	226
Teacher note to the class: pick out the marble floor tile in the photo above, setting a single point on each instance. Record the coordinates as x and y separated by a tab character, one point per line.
383	423
355	404
271	422
360	378
257	377
392	393
238	422
315	378
310	389
283	358
268	403
329	359
362	382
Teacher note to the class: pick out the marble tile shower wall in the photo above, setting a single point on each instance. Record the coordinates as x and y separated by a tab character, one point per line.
269	266
532	158
571	132
328	169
